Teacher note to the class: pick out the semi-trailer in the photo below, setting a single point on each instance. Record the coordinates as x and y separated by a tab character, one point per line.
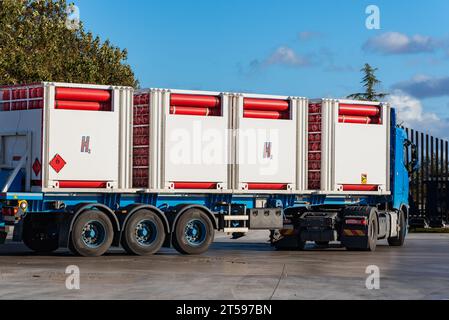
87	167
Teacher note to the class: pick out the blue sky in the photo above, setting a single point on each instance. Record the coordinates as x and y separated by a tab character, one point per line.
302	48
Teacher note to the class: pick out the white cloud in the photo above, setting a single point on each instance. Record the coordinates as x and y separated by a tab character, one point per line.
422	86
287	56
411	112
283	56
399	43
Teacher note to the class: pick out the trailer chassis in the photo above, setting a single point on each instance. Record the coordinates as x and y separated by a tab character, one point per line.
88	224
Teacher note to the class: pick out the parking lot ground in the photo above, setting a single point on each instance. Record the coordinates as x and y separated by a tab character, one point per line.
247	268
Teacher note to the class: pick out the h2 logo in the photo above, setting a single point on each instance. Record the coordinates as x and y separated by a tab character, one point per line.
85	144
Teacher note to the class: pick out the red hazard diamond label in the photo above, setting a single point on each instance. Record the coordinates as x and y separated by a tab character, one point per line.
37	167
57	163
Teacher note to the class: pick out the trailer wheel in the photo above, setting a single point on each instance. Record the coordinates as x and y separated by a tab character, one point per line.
399	240
92	234
144	233
193	233
368	242
322	243
39	240
373	230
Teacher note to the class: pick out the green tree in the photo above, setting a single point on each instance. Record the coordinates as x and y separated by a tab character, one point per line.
370	82
36	44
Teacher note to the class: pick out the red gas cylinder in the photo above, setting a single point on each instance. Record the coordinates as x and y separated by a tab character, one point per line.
15	94
39	92
314	146
194	111
258	114
6	95
355	119
315	118
358	110
36	92
195	101
5	106
78	105
314	165
80	94
315	127
314	185
314	176
315	108
40	104
266	104
23	93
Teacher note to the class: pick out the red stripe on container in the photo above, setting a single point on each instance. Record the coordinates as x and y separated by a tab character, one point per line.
198	101
80	94
195	185
358	110
258	114
266	104
82	105
82	184
267	186
192	111
360	187
355	119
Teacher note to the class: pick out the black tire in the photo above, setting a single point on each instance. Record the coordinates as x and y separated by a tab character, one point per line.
39	240
400	239
184	241
144	233
322	243
96	243
373	230
368	242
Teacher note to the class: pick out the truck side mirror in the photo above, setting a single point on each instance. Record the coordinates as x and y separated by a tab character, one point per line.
413	164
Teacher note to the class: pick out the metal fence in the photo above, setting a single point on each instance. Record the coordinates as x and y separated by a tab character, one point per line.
429	185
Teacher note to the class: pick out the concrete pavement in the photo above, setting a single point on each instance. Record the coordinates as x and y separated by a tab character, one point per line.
247	268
